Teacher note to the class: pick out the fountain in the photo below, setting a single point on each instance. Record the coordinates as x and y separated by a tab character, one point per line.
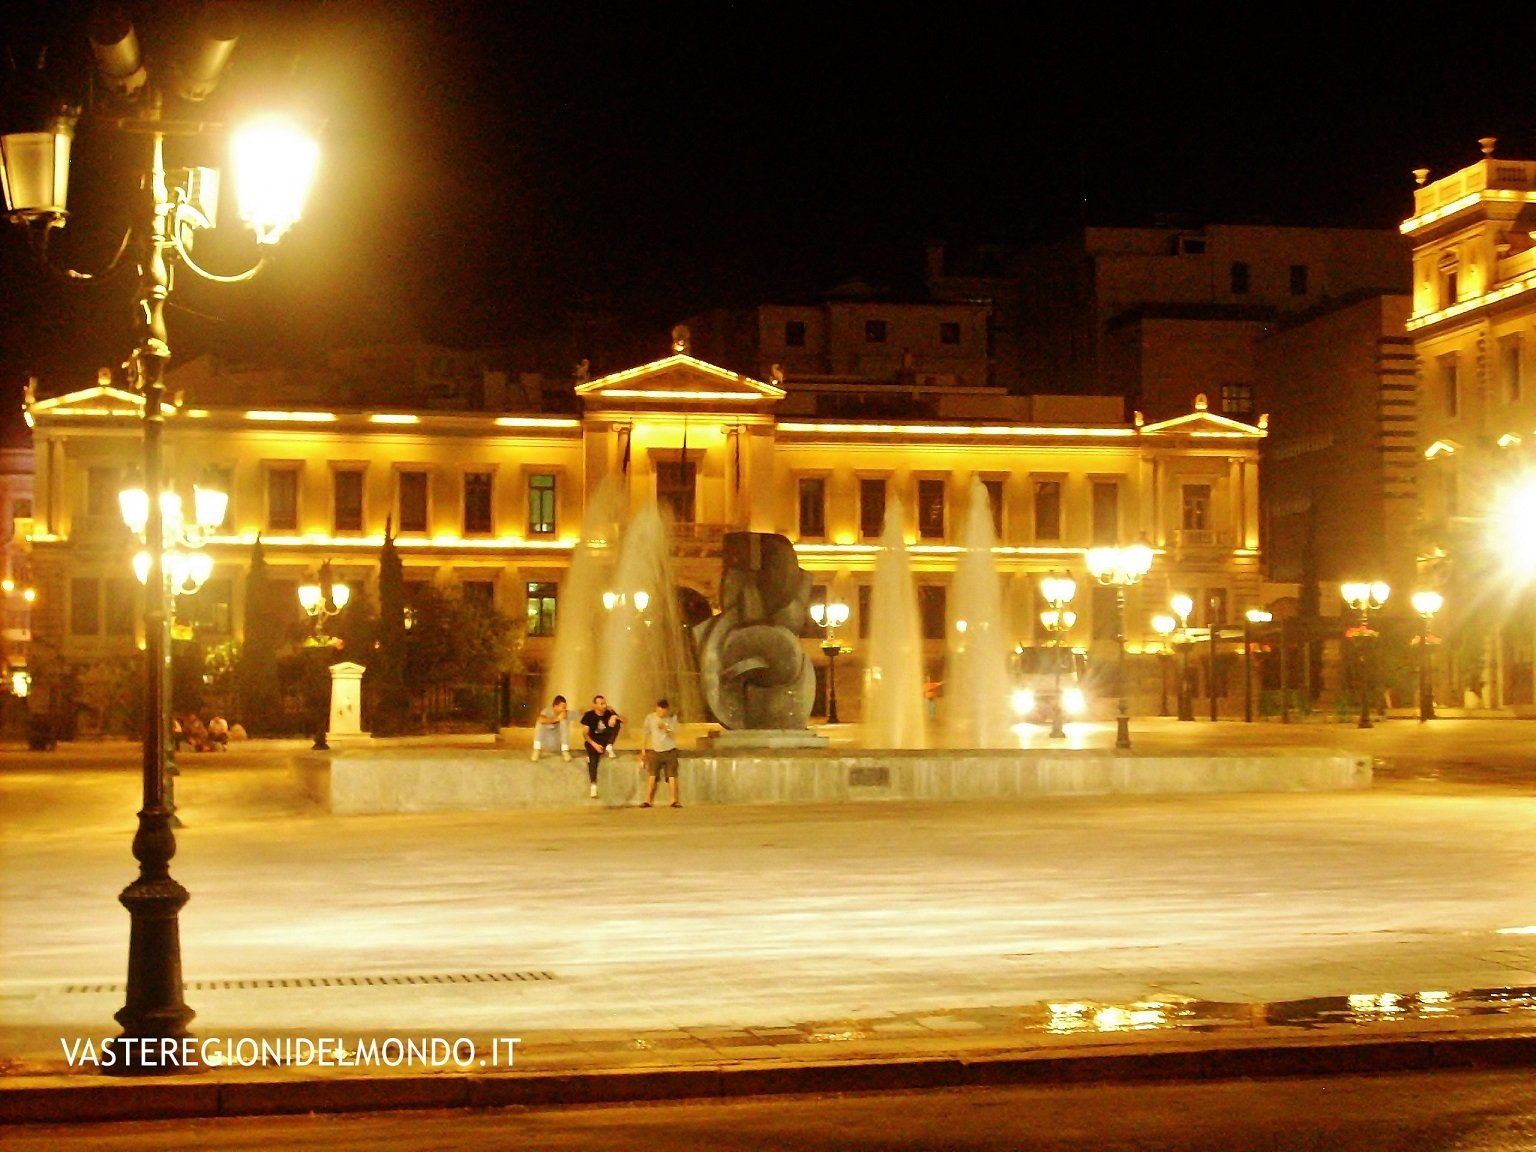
894	715
573	670
645	652
618	631
976	683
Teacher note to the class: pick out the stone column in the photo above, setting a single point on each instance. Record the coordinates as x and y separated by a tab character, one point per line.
346	701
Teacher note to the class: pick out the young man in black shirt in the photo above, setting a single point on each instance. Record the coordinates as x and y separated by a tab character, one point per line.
600	726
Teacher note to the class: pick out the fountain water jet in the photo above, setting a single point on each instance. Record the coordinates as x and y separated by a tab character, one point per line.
645	652
894	715
976	683
579	619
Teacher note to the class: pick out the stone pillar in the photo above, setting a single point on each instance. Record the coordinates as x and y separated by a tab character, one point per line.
346	700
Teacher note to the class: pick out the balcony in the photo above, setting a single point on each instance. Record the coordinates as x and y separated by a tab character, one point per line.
1489	175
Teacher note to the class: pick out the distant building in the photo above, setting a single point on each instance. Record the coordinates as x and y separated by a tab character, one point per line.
859	353
492	502
1474	336
1157	314
1339	464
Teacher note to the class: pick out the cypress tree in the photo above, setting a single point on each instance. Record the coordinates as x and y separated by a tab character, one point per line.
387	670
260	696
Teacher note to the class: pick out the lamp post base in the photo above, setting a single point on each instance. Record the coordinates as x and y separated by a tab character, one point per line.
1122	731
1058	731
155	1016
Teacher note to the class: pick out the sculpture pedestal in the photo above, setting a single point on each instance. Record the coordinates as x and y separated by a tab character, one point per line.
745	739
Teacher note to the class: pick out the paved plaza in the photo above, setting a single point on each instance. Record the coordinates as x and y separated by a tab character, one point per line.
747	930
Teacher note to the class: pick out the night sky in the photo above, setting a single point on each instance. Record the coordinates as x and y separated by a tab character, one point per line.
503	174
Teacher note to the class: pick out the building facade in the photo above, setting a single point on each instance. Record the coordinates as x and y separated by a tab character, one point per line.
1473	328
492	503
1155	314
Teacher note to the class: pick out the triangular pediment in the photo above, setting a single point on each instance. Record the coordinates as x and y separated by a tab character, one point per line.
1202	422
98	400
679	379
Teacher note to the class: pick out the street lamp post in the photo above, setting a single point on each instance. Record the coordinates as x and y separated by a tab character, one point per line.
1119	568
1163	625
321	601
1250	618
1182	606
831	616
1057	591
1364	598
1426	604
169	207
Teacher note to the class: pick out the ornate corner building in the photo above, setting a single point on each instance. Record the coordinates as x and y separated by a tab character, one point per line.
1473	327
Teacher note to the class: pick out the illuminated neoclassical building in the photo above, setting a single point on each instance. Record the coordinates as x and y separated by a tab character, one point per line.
1473	326
492	502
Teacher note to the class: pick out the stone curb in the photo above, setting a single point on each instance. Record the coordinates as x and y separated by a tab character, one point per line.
85	1101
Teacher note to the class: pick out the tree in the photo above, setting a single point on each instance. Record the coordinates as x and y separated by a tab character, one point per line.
386	670
260	696
459	644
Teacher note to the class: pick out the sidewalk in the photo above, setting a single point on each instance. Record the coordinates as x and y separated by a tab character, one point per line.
1038	1044
649	954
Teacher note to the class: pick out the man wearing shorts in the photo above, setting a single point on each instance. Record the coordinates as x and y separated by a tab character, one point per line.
658	748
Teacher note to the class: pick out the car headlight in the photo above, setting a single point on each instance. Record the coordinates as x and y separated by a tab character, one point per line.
1023	702
1073	702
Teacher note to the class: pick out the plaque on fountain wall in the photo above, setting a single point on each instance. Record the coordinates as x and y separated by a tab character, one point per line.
756	678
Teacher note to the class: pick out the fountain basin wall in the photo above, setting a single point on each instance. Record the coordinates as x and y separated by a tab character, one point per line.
424	779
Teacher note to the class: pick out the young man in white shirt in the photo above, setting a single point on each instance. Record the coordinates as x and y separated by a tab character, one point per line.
658	748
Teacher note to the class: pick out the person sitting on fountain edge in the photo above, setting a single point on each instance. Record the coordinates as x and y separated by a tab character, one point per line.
600	729
552	729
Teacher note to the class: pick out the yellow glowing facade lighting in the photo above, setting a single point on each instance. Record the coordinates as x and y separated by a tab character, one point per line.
678	394
536	422
1509	440
1470	200
411	543
1503	292
1440	448
291	417
953	430
393	418
604	385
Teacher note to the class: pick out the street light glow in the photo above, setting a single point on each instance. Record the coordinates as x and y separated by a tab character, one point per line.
274	166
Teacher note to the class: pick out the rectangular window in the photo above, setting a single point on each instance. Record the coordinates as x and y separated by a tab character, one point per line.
122	599
1239	278
676	488
541	504
995	499
949	332
871	508
1237	399
1196	515
1449	292
931	605
347	500
477	503
1509	368
101	488
813	507
413	501
794	333
930	509
1450	386
1106	512
865	597
283	499
480	593
542	597
1298	279
209	610
85	606
1047	509
1215	607
874	331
